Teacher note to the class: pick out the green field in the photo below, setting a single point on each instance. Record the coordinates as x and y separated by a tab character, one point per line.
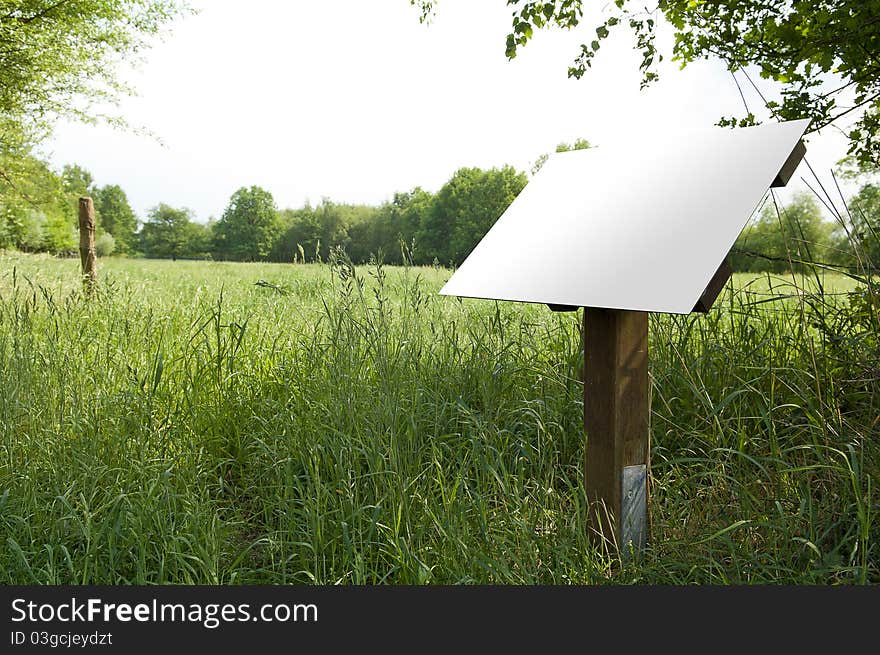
201	422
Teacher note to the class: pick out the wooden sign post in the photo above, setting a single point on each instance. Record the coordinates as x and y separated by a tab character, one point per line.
87	255
622	230
616	425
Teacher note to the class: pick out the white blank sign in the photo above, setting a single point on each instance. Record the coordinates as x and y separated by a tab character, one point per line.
640	225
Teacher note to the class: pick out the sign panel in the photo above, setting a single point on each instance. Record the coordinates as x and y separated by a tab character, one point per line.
640	225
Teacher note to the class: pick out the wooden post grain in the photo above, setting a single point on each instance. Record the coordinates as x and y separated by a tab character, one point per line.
87	255
616	426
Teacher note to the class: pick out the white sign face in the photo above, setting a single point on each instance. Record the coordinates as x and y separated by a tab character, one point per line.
641	225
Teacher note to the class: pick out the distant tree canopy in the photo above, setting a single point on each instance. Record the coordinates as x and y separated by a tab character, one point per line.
42	213
414	227
117	217
77	181
387	232
36	217
824	55
782	239
249	228
309	233
171	233
865	209
464	210
579	144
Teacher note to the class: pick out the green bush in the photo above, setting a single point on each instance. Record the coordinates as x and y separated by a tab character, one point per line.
105	245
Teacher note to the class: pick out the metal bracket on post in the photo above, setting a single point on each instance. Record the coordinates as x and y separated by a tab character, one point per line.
634	510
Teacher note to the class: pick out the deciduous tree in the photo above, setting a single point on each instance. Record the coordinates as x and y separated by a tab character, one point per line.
60	57
249	227
117	217
865	211
171	233
464	210
784	236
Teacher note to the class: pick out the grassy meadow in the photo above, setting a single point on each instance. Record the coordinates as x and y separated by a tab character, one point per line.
201	422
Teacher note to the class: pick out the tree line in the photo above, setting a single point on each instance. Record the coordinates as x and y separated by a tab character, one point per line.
416	227
794	235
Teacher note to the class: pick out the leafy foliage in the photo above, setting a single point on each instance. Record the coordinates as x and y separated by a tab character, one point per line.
105	245
579	144
39	211
117	217
784	238
866	221
248	229
823	54
472	201
33	209
390	232
464	210
171	233
59	58
415	227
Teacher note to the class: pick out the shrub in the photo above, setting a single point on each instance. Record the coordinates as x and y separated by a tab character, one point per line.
105	244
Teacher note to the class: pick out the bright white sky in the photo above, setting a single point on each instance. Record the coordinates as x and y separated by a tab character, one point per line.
355	100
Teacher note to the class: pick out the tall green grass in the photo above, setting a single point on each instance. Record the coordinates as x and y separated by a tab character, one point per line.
245	423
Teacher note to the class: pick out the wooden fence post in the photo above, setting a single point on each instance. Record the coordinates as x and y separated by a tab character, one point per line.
616	426
87	254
